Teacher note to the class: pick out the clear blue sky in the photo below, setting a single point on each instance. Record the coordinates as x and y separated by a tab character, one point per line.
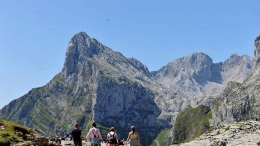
34	33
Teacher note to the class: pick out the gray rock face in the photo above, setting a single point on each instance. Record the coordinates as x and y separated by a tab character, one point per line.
239	101
196	75
236	68
121	102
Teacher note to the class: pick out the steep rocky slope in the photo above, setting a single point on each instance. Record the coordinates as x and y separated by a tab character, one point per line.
240	101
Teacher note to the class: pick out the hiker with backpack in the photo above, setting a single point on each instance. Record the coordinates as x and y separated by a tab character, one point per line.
112	137
94	136
133	137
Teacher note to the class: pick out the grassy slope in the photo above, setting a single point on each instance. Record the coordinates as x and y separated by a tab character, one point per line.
162	138
10	128
191	123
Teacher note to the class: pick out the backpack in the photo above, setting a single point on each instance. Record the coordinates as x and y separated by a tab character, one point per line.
95	140
112	139
94	134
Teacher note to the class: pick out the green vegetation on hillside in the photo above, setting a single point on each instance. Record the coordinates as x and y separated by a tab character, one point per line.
191	123
7	132
163	138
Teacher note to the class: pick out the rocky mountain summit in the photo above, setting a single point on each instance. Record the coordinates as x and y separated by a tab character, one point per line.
101	85
197	74
236	133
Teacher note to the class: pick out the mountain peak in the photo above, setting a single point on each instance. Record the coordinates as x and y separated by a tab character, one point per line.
80	38
84	43
234	55
80	46
82	33
199	56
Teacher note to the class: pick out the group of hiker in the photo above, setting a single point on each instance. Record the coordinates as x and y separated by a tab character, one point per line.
95	138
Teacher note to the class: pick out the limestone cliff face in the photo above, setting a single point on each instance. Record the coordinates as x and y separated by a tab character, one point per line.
236	68
83	51
115	81
240	101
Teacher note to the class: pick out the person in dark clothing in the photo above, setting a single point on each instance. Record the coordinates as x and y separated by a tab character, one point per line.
57	140
76	135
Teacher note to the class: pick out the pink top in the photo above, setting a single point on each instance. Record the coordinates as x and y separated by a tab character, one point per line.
93	131
108	135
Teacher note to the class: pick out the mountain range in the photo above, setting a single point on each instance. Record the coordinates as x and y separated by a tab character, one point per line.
100	85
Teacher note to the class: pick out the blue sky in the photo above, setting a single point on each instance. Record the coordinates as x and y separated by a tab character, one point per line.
34	34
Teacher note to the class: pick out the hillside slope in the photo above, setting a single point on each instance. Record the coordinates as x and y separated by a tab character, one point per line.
191	123
15	134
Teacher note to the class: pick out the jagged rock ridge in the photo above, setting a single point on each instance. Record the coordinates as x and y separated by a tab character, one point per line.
240	101
197	74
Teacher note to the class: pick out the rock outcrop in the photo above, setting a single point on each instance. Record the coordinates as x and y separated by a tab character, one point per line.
15	134
240	101
257	49
237	133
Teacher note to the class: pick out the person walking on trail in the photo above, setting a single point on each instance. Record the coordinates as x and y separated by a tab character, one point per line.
76	136
94	135
112	137
133	137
